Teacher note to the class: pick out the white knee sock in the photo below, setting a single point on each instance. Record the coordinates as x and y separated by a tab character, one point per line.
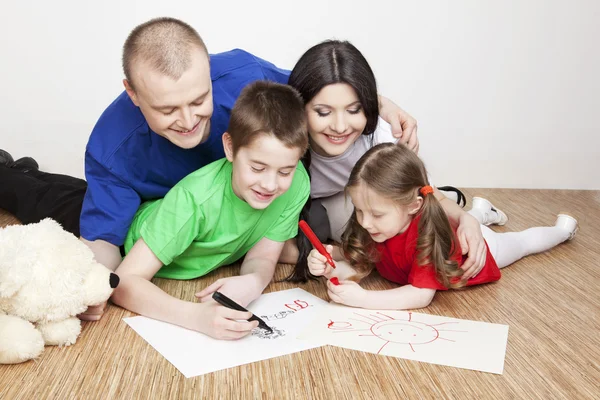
512	246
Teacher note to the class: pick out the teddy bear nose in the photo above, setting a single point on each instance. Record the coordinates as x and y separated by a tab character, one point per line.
114	280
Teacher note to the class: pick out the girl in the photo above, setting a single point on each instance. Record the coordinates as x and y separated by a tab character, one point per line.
398	225
340	95
245	204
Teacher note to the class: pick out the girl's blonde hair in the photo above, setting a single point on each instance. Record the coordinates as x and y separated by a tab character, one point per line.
397	173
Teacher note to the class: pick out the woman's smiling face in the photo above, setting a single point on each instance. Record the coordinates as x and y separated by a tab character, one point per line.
335	119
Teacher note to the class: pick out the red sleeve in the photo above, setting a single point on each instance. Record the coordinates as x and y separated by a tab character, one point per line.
423	276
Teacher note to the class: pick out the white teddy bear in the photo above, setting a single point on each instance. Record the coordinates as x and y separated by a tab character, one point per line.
47	277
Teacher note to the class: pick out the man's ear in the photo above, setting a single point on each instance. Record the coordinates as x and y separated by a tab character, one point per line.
415	206
130	92
228	146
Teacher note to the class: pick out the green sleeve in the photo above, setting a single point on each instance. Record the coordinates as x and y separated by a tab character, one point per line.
286	226
173	225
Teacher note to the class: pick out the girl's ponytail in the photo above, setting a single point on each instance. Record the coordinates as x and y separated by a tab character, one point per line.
436	243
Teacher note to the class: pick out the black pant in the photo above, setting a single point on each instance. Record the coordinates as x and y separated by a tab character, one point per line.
33	195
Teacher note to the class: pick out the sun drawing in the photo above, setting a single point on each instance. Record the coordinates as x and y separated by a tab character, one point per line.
393	330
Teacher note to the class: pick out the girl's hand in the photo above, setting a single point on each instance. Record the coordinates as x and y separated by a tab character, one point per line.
347	292
241	289
317	263
221	322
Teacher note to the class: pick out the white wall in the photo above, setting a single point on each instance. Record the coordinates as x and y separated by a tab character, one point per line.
506	92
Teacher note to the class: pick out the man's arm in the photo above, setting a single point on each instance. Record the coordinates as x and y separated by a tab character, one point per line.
105	253
108	255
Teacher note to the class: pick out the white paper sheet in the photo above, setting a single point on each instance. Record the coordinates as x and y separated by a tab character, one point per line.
193	353
422	337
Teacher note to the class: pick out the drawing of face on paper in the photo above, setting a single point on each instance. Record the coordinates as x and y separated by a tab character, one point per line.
264	334
414	336
392	330
272	319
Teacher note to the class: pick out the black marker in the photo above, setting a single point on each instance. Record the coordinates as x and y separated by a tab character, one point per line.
227	302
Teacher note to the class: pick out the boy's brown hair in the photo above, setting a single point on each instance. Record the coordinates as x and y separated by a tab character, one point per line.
269	108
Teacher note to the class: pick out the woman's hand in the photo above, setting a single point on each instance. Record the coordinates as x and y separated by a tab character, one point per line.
472	243
404	127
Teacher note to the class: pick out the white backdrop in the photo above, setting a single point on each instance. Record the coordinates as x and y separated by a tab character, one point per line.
506	93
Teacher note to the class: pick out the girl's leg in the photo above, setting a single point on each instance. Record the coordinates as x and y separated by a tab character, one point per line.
512	246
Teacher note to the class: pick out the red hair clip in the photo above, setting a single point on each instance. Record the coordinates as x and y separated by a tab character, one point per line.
425	190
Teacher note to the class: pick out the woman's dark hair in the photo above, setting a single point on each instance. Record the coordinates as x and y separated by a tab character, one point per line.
334	61
330	62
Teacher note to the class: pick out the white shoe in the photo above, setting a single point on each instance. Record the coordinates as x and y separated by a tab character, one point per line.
568	223
491	215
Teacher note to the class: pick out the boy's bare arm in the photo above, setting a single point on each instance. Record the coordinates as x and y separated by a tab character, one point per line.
256	273
136	293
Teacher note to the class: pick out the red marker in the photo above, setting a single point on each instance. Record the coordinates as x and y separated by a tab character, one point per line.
335	281
316	242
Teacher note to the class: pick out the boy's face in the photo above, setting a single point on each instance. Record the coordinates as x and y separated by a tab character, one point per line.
263	170
178	110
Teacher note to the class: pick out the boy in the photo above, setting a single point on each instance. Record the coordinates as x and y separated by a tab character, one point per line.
248	203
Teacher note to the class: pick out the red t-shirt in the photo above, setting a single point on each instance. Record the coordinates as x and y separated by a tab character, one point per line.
398	262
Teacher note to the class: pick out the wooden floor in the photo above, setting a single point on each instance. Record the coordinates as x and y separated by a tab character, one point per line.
550	301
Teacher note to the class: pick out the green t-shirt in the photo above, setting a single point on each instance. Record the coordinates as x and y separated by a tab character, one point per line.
201	224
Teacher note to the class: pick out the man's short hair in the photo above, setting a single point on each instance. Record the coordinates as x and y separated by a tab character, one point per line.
166	44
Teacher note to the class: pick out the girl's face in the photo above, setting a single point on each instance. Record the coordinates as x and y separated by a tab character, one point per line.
382	217
335	119
263	170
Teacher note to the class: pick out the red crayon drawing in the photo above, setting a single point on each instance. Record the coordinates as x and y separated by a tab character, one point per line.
297	305
394	330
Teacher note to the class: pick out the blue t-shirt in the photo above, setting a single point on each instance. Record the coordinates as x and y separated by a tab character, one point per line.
126	163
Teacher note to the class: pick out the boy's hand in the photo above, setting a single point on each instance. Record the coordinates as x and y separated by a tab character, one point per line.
347	292
241	289
317	263
221	322
93	313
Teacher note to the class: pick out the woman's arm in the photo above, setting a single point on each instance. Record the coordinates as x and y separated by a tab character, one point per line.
402	298
469	235
136	293
403	125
